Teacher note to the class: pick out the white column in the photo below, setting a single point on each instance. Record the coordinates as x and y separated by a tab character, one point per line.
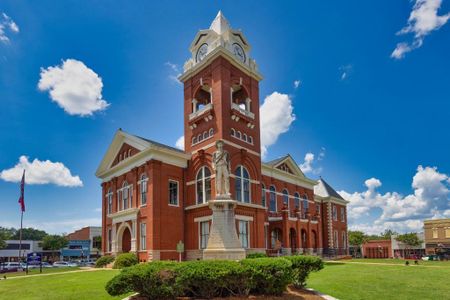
133	236
194	105
247	104
114	240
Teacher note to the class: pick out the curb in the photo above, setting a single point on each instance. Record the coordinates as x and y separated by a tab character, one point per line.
324	296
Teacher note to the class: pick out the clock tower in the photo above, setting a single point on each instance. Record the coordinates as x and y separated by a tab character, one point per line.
221	102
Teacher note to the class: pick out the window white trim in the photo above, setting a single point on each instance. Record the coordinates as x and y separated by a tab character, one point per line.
178	192
143	236
241	179
273	192
202	237
202	181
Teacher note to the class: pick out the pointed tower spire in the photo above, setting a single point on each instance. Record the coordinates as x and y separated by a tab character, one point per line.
220	24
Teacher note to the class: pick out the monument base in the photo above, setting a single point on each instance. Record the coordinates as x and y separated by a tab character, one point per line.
223	242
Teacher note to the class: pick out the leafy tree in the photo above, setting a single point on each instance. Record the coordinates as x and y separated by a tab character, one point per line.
388	233
357	238
409	239
30	234
54	242
5	234
97	242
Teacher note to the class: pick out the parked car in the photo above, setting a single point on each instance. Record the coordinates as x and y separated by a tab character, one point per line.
46	265
11	267
61	264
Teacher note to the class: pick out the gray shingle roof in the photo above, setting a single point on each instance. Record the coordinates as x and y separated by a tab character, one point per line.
159	144
323	189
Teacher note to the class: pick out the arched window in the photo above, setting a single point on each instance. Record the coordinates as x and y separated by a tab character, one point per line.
125	191
203	182
250	139
129	152
205	135
244	137
305	203
263	195
199	138
233	132
286	198
143	189
238	134
211	132
297	200
194	140
242	184
272	199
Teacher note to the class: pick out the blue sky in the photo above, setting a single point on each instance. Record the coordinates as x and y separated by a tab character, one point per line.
366	117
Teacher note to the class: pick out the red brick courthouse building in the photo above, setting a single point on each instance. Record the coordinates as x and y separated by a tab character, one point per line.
154	196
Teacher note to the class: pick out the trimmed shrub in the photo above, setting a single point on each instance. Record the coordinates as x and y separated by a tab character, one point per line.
103	261
256	255
302	266
125	260
268	276
154	280
208	279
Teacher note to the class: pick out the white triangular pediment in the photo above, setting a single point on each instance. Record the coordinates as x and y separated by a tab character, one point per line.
293	166
120	138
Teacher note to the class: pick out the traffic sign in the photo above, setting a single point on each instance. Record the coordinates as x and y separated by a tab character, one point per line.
34	257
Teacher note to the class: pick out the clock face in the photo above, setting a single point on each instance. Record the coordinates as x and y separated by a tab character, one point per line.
201	52
239	52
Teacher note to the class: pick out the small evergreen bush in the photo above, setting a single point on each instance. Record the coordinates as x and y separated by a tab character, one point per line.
103	261
256	255
208	279
302	266
125	260
154	280
268	276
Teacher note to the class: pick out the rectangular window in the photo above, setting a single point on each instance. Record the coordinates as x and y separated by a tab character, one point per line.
125	198
173	192
204	234
273	201
342	214
344	240
110	203
109	240
318	208
263	196
336	239
334	208
243	233
143	241
143	192
435	233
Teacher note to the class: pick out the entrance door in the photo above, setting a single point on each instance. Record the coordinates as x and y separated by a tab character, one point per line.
126	240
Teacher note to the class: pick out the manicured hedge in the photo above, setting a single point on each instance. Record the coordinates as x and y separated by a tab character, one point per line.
125	260
256	255
268	276
154	280
209	279
301	267
103	261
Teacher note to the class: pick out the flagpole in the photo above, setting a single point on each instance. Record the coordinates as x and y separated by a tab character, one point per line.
20	235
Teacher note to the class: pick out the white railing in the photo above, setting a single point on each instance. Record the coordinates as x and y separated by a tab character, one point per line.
242	111
200	112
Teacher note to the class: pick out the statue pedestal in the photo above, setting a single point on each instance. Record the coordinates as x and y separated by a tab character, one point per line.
223	242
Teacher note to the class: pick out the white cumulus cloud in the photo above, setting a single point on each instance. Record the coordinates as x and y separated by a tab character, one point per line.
430	199
276	115
174	72
74	87
422	21
7	24
180	143
310	161
41	172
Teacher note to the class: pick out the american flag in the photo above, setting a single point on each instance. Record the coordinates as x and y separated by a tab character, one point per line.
22	194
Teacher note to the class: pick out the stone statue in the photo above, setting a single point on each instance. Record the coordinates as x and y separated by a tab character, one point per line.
221	165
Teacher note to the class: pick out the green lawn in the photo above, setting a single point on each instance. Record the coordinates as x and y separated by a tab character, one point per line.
402	261
79	285
36	271
366	281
